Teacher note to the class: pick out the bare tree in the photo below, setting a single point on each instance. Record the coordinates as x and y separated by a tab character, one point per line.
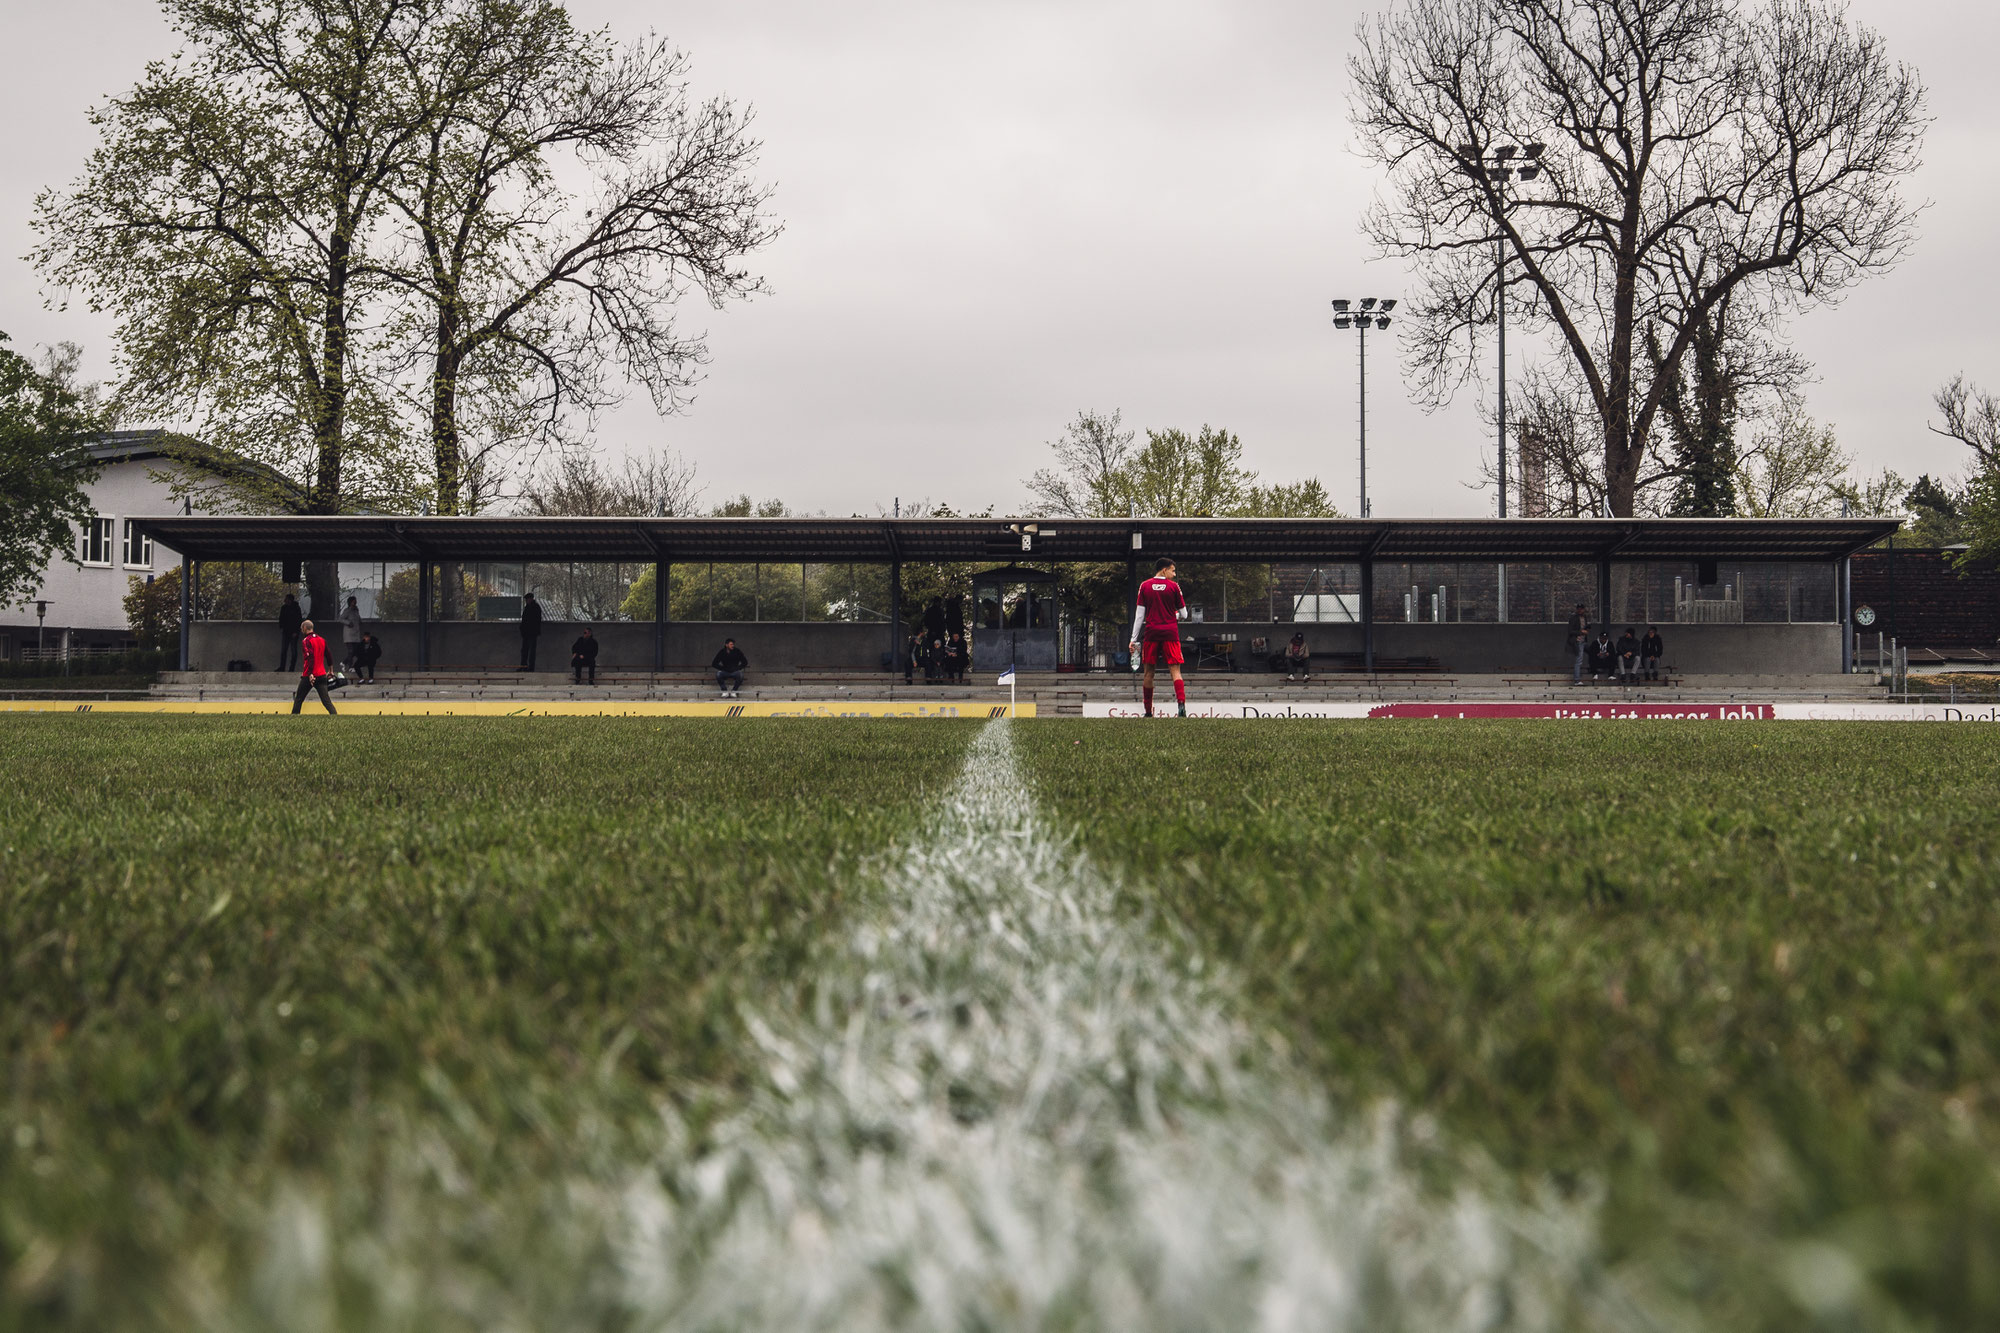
575	483
1971	417
1696	151
1092	457
530	288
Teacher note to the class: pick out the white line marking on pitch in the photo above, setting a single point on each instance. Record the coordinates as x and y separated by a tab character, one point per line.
1008	1109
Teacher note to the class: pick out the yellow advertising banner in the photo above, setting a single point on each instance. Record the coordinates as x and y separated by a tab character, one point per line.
350	707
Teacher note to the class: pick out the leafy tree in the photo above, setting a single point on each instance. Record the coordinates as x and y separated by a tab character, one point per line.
45	425
1796	469
1937	513
1698	151
228	217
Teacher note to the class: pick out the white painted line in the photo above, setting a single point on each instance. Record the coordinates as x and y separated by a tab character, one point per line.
1576	712
1007	1107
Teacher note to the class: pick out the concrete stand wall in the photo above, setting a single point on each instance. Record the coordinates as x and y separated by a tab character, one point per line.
491	645
1763	650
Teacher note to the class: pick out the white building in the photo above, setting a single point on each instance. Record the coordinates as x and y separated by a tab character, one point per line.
85	605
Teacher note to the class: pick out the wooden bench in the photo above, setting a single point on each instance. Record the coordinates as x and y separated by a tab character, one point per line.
1383	665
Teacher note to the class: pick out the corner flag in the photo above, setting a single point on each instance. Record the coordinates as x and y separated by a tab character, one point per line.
1006	677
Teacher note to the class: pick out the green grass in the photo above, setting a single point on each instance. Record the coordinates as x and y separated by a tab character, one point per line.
1748	978
424	974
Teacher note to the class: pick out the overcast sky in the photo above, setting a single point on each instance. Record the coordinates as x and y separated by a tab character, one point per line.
998	214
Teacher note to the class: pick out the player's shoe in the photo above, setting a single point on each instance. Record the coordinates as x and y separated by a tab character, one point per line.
1183	712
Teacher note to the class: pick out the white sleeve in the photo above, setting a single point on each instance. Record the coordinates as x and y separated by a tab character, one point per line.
1138	620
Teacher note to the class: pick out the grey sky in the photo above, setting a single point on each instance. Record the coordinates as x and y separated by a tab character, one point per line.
998	214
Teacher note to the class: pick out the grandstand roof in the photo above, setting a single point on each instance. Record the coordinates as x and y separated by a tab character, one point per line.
775	540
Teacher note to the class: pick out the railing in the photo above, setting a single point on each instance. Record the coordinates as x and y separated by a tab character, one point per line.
1726	610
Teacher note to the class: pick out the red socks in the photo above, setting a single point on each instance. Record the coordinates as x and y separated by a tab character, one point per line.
1147	692
1180	691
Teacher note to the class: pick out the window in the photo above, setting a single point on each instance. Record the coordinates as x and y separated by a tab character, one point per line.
97	541
138	547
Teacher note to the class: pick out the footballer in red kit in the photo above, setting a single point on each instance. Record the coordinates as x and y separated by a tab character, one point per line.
1156	631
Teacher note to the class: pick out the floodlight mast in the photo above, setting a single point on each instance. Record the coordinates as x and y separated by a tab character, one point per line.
1500	164
1344	316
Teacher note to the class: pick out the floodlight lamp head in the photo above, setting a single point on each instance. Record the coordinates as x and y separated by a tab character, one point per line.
1367	303
1341	321
1388	304
1505	151
1468	150
1498	173
1533	152
1342	305
1529	173
1381	321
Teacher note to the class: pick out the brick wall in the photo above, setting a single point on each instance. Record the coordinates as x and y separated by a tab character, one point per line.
1920	599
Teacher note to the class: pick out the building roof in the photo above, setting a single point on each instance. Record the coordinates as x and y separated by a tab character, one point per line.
834	540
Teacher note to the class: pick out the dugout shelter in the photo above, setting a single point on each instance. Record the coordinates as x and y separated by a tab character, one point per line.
1733	596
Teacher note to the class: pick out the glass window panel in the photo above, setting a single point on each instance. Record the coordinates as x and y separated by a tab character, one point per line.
1628	593
1666	582
1478	593
1528	600
733	589
1766	592
1570	584
1434	592
1392	594
1315	592
1814	597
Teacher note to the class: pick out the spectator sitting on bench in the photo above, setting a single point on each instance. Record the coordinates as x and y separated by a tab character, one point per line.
1603	656
1298	658
365	660
583	657
1628	655
1651	649
729	664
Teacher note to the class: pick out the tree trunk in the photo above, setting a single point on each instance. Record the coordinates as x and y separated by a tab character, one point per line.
446	455
323	576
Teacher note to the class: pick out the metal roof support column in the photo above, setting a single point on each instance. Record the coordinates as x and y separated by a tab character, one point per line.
423	613
1846	615
895	620
1604	592
188	568
1367	614
661	572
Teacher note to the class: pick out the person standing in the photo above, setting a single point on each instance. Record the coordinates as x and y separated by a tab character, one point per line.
312	668
1651	649
1156	630
350	634
729	665
531	630
1579	643
290	617
583	657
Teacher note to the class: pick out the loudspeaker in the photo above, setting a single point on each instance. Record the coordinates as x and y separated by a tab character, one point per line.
1704	573
293	573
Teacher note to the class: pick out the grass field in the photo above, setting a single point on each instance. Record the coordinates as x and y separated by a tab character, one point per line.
360	1029
1749	977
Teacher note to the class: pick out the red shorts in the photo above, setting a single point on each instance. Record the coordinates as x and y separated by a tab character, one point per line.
1160	650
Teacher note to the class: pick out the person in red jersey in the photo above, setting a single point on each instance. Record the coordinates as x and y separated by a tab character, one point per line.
312	668
1156	630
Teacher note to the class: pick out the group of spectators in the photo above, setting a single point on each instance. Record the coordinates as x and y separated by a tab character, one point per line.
944	660
1632	657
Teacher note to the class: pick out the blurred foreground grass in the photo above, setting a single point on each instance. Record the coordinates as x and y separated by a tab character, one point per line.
1748	976
286	1006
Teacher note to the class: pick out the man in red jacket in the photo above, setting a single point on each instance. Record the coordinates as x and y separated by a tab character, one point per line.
312	668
